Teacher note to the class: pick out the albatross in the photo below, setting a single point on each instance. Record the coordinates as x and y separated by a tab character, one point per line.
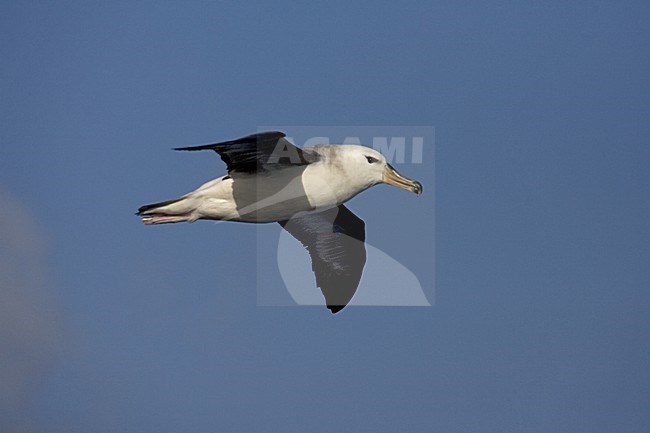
303	189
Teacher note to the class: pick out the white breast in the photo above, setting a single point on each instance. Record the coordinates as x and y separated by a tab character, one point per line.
272	196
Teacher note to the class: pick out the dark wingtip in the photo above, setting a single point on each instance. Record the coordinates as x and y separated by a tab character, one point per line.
144	208
260	136
202	147
147	207
335	308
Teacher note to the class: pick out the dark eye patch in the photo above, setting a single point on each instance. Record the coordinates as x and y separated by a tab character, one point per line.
371	160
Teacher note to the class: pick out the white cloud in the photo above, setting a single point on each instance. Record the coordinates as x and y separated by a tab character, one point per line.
29	331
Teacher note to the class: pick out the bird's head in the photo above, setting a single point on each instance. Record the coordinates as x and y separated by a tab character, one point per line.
369	167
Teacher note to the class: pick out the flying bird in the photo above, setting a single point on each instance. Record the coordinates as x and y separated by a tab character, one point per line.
303	189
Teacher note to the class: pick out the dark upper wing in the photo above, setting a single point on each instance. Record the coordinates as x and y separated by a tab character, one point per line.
258	152
335	240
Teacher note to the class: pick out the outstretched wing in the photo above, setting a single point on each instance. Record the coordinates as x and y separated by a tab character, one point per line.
335	240
258	152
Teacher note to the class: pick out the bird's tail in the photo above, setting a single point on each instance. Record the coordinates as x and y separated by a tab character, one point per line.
170	211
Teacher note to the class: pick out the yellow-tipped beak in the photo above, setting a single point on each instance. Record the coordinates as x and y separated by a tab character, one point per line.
391	176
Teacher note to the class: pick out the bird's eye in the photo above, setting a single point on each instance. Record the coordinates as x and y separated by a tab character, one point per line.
371	160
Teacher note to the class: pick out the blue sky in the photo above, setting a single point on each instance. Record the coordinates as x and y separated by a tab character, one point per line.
540	196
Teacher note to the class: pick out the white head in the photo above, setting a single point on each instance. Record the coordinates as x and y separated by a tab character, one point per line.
365	167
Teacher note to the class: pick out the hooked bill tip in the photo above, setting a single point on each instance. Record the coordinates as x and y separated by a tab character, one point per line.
417	187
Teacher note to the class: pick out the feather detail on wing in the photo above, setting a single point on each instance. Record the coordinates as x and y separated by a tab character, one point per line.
263	151
335	240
